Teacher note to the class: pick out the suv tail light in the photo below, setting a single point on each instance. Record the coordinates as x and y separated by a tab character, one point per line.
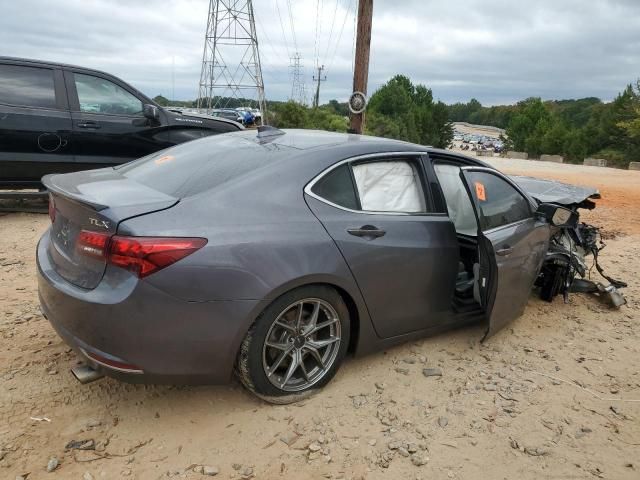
141	255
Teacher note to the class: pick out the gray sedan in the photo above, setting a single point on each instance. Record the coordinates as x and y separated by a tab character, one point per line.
274	254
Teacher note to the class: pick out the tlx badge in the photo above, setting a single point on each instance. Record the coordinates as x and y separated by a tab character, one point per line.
99	223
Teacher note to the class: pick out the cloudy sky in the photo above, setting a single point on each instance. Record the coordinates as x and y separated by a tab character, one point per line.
498	51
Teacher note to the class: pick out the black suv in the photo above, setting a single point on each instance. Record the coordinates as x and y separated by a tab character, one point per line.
61	118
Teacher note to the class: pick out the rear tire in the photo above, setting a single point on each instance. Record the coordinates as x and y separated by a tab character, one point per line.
296	345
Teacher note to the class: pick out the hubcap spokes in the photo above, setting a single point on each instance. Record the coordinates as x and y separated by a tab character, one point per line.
301	345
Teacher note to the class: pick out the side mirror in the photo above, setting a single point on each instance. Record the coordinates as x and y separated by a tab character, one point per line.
151	112
558	216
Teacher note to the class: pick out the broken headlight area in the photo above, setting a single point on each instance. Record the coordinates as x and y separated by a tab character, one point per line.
569	266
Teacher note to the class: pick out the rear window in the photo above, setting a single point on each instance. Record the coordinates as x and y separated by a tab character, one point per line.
199	165
27	86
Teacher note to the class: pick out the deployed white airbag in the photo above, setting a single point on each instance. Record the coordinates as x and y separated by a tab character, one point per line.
458	202
392	186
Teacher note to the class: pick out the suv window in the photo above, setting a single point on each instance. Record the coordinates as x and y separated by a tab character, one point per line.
498	202
380	186
28	86
98	95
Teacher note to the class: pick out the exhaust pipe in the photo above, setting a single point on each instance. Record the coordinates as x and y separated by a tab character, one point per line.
85	374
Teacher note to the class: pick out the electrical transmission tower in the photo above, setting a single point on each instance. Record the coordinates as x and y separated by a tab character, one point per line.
298	90
231	60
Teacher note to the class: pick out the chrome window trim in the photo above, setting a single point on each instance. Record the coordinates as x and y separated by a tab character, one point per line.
369	156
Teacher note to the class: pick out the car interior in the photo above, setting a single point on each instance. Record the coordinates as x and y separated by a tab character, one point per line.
467	292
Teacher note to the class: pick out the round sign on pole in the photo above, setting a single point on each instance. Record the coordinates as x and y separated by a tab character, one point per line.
357	102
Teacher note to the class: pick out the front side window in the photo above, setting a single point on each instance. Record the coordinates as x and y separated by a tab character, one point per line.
27	86
380	186
98	95
459	206
499	203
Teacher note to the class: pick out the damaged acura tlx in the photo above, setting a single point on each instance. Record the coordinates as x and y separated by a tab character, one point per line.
273	255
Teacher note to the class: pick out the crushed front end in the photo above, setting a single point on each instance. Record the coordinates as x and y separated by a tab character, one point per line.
573	251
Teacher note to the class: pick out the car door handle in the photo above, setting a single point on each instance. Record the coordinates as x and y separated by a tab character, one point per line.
366	231
504	251
88	124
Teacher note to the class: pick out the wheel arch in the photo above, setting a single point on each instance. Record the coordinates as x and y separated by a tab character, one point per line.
358	314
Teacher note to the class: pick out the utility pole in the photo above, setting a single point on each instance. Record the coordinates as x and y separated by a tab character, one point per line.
361	68
320	78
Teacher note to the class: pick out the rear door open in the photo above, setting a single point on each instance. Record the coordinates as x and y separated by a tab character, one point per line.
512	243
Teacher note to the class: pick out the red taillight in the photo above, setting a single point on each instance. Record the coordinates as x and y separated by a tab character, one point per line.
52	209
146	255
141	255
92	243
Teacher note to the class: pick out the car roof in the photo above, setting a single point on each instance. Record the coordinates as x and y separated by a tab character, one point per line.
50	64
303	139
290	141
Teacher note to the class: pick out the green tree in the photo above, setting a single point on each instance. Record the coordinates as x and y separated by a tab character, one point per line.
338	108
405	111
160	100
290	115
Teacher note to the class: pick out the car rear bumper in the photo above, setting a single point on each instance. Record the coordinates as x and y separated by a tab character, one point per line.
130	321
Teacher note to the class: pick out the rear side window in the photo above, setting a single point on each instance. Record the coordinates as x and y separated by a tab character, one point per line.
27	86
389	186
99	95
337	187
499	203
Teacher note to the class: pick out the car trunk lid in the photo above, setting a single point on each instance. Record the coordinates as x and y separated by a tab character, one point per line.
94	202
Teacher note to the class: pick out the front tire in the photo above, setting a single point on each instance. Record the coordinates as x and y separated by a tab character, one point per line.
296	345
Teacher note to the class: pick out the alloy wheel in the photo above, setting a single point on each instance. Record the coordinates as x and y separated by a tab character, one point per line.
301	345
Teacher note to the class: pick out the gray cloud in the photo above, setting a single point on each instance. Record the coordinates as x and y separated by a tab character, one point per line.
495	50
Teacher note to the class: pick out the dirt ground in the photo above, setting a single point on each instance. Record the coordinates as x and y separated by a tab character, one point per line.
554	395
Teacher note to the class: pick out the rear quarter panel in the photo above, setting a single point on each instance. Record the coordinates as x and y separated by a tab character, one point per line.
261	236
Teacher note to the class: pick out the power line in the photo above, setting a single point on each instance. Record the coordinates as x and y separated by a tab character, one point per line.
353	45
315	49
293	29
284	37
344	22
333	21
268	40
320	31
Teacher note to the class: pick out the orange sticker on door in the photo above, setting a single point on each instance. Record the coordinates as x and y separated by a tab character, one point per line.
480	193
